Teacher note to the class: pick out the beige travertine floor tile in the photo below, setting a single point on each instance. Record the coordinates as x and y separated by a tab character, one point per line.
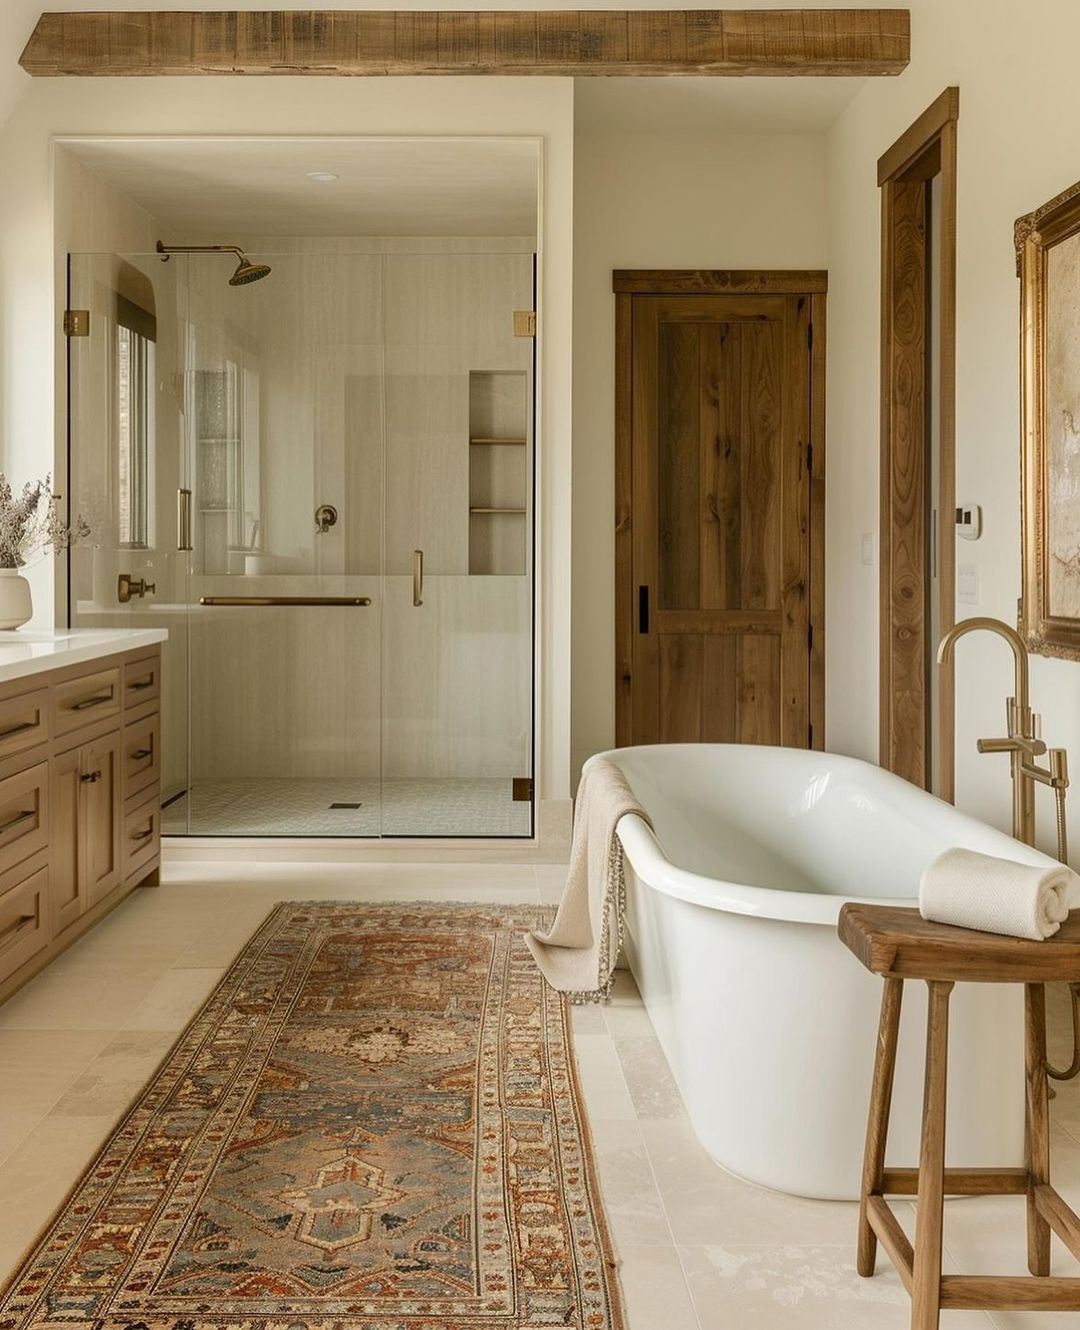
39	1066
551	881
705	1205
35	1180
14	1129
174	1000
601	1077
648	1076
631	1199
405	887
587	1018
114	1079
798	1287
89	1000
654	1289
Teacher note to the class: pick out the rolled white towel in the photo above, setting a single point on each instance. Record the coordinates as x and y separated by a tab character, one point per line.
974	890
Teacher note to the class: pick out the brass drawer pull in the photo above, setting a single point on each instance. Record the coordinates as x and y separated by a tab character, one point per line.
9	934
140	684
89	777
18	820
140	753
142	835
19	729
99	700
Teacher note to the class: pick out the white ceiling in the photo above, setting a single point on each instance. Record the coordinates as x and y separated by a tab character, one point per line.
713	105
252	186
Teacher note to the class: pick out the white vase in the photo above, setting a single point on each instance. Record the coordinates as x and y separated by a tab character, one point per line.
16	606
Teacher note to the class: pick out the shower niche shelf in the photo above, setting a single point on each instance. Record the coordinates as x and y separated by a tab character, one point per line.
498	472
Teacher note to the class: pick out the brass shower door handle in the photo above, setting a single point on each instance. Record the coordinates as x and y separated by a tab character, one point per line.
417	578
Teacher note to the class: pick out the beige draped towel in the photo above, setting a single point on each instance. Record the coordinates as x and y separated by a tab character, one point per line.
578	954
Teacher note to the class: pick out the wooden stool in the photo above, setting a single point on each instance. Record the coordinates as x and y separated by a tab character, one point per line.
898	944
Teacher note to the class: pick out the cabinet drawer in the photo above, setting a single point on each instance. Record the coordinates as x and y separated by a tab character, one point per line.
24	815
141	837
23	922
24	722
141	756
85	700
142	680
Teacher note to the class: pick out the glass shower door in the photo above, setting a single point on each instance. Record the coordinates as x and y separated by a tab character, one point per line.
457	745
125	462
284	450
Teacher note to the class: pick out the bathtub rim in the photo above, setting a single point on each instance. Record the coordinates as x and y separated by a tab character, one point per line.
655	870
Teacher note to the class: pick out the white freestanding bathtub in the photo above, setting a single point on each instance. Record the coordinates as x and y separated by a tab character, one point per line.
767	1020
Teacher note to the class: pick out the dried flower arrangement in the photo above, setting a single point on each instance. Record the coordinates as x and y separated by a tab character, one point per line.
31	523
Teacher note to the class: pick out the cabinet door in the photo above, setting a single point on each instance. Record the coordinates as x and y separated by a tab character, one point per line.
66	888
99	817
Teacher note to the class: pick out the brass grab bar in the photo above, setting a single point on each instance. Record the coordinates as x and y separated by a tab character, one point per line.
284	600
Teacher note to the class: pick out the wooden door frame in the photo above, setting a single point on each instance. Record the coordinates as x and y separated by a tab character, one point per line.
925	151
627	283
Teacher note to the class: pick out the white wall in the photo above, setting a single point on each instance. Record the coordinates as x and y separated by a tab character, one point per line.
671	200
30	300
1019	144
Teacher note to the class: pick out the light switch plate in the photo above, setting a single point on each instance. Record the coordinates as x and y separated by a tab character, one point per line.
969	521
869	554
967	583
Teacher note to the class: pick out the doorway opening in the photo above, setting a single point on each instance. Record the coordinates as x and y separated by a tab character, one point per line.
325	480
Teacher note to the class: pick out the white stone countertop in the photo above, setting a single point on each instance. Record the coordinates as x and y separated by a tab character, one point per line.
24	652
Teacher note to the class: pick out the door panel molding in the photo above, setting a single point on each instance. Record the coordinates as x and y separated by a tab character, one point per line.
761	662
925	151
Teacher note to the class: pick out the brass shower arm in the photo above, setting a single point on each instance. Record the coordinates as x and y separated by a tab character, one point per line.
168	250
246	271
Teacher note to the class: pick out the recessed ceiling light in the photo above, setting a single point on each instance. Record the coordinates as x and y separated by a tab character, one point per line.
322	177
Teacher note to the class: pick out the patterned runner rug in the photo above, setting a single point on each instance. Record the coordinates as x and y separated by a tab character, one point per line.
373	1124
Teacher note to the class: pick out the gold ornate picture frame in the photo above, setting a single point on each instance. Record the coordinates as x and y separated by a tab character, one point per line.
1048	264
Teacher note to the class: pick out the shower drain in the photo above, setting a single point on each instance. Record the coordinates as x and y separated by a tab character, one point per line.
346	805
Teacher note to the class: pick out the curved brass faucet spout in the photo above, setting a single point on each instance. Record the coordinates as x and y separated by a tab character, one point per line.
1020	657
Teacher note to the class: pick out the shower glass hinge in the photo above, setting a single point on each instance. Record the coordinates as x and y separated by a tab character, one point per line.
524	322
76	323
522	789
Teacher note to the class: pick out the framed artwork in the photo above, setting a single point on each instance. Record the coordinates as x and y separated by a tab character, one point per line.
1048	263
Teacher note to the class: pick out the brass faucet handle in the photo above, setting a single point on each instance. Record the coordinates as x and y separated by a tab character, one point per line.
128	586
1011	744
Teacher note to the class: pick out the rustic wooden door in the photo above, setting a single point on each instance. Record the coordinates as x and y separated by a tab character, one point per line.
724	541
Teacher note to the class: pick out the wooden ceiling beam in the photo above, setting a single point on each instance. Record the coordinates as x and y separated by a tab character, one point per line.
853	42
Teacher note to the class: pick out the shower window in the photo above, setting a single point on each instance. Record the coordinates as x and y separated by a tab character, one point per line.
136	334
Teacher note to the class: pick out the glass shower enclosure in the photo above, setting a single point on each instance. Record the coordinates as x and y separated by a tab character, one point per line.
325	477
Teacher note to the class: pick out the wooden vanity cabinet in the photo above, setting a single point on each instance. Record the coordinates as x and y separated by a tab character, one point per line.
79	774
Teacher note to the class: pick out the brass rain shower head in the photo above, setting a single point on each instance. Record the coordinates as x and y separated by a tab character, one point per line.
246	271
